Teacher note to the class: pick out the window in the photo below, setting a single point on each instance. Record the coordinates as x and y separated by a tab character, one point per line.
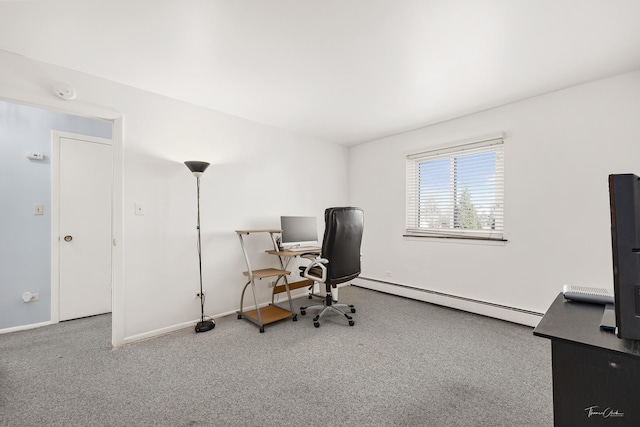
457	191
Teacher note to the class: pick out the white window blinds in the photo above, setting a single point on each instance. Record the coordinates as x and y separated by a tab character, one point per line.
457	191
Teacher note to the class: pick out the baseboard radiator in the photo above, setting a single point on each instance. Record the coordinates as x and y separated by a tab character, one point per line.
499	311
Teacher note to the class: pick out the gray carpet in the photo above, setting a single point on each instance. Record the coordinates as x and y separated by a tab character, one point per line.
404	363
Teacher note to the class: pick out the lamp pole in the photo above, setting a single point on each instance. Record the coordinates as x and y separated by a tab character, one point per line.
198	168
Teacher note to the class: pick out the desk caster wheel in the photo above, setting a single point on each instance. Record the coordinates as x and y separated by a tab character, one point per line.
316	324
295	317
239	316
303	312
262	329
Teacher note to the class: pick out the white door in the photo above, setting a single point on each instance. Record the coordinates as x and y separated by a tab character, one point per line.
84	243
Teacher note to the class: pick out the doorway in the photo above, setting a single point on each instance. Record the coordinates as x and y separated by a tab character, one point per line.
81	226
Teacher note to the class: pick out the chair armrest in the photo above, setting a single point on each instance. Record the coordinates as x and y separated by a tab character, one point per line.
315	262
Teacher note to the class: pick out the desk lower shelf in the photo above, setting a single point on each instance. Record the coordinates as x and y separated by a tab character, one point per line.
293	286
269	314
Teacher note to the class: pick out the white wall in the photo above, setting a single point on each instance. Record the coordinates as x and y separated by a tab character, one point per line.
559	150
257	174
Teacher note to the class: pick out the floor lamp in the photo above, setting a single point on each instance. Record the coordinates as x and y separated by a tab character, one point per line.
198	168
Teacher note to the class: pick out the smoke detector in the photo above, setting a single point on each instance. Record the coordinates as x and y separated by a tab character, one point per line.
64	91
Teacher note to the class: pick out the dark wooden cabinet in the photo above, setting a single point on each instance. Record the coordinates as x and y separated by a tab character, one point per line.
596	375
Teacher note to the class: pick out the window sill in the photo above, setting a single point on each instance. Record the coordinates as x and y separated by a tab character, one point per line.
457	239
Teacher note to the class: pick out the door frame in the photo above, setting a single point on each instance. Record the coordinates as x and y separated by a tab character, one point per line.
117	119
56	136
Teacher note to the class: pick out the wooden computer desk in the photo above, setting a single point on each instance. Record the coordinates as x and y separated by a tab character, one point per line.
273	312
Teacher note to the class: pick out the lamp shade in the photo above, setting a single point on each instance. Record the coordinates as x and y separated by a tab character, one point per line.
196	167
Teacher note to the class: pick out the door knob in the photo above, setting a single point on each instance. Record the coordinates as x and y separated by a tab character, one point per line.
68	238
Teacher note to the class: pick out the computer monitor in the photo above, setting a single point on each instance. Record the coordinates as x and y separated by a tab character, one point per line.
624	195
298	231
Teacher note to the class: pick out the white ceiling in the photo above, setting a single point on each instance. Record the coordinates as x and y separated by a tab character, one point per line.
345	71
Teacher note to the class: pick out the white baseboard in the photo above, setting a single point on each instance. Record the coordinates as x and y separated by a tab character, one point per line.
158	332
167	330
510	314
25	327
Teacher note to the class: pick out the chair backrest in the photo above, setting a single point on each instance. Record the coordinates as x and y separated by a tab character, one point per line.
341	243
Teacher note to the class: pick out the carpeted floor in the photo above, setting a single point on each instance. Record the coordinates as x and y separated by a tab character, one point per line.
404	363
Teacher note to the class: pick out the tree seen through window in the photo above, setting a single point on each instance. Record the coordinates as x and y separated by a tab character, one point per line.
458	192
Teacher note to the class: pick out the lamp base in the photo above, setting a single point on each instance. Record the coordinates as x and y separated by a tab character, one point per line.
205	325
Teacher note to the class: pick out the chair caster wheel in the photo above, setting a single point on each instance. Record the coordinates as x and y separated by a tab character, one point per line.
262	329
351	323
316	324
315	319
353	310
239	316
295	317
303	312
310	297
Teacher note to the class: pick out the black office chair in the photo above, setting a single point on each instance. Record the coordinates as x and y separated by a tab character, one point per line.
339	261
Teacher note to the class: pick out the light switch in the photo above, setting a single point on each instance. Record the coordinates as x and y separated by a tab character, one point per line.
139	208
38	209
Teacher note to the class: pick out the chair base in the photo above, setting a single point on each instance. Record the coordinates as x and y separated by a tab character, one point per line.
329	307
312	294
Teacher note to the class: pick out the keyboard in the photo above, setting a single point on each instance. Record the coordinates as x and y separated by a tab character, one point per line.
586	294
304	249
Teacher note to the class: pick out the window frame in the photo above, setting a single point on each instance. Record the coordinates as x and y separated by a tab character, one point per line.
492	144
